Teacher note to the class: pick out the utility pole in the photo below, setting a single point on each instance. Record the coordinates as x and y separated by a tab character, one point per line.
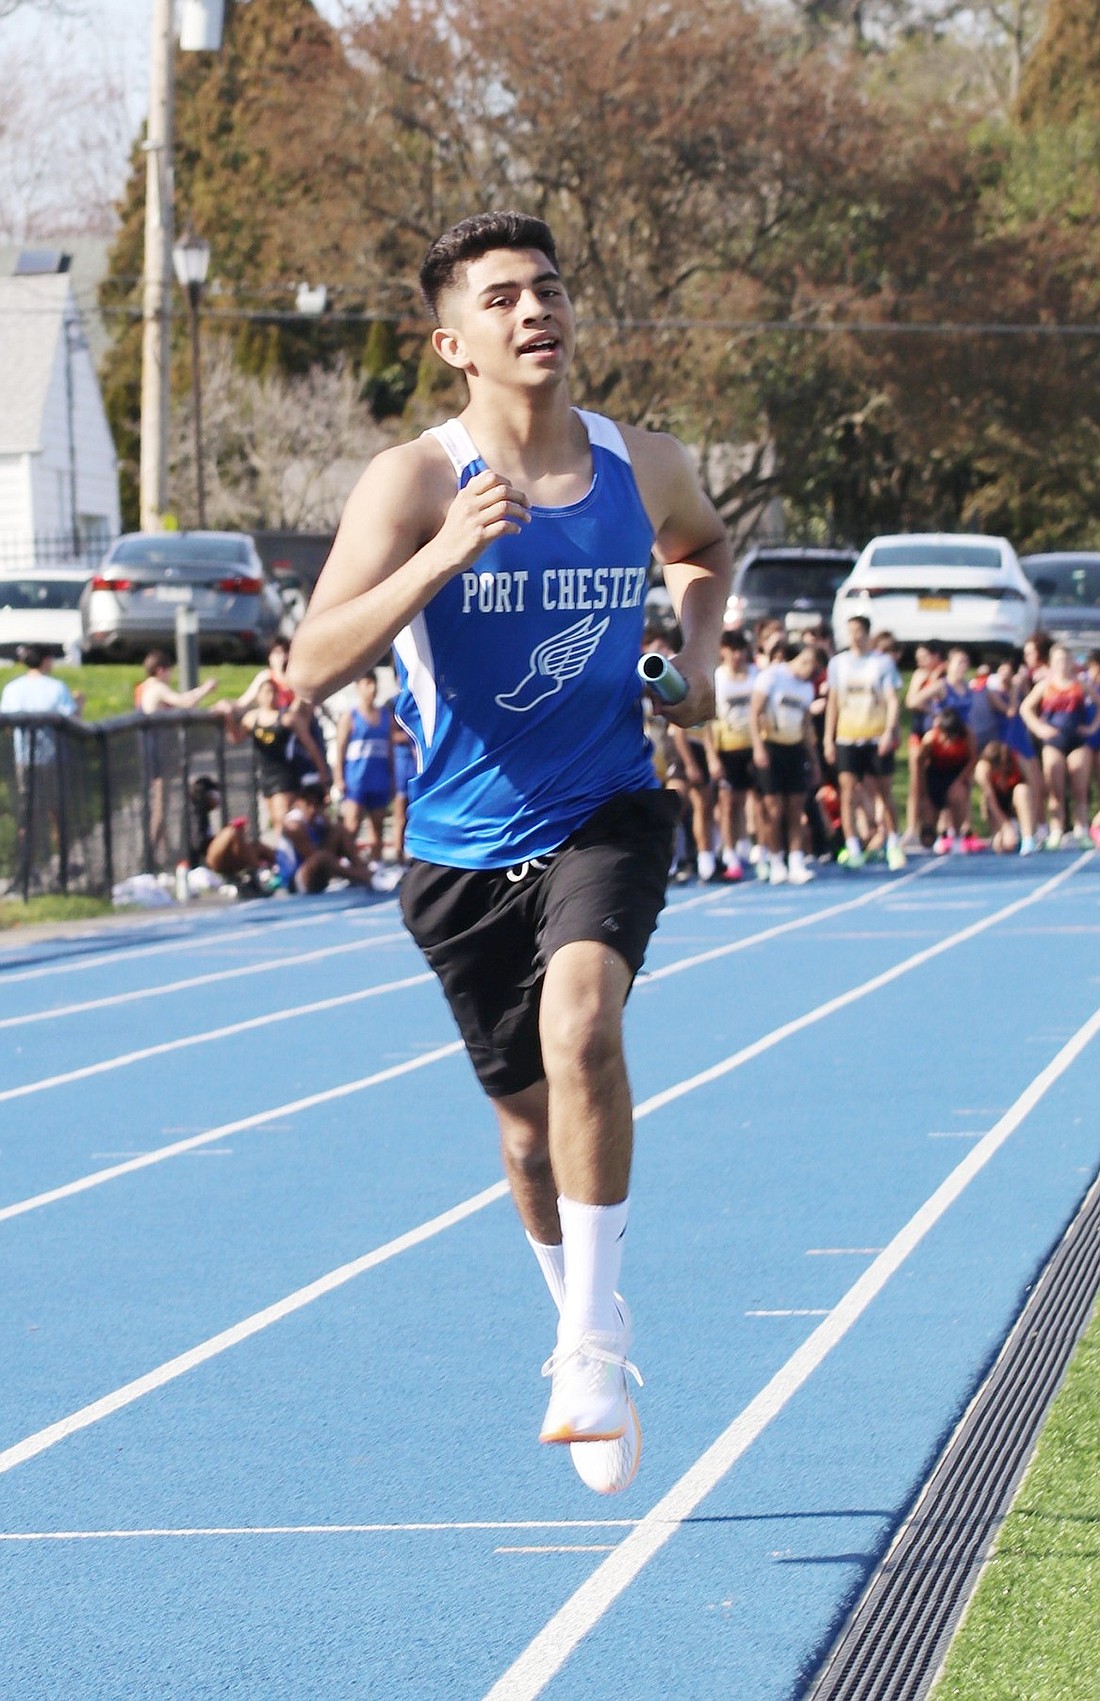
157	294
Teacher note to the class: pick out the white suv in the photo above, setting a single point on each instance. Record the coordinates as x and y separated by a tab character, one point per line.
950	587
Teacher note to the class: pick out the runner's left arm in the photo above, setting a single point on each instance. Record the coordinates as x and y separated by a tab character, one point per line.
693	548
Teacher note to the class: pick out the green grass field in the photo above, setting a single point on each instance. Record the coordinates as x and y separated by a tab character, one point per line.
109	687
1033	1629
54	907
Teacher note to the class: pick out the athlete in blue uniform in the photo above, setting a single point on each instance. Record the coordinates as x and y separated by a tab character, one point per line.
364	763
505	556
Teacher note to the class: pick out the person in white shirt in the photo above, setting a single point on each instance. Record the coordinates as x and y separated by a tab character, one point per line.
732	735
785	754
36	692
861	735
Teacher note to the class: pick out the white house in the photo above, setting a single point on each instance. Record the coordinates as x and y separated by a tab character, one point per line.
58	467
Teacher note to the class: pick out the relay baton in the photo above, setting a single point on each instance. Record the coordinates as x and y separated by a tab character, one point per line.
658	675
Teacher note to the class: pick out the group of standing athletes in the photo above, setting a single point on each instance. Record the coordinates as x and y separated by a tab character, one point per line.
796	764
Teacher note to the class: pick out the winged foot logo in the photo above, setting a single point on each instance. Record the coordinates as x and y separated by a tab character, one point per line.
556	660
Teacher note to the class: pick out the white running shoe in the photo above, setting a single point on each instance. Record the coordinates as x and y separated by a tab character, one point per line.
589	1399
607	1467
800	871
778	875
706	863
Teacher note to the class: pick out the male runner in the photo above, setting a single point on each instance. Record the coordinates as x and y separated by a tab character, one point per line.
504	555
861	735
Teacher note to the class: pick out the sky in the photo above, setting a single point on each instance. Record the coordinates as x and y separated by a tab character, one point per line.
74	82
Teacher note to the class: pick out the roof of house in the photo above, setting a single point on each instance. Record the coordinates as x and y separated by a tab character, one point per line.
32	313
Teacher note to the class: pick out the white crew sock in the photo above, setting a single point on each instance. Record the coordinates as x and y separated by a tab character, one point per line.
592	1242
551	1261
855	848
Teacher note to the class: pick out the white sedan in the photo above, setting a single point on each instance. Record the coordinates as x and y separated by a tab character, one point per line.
41	605
947	587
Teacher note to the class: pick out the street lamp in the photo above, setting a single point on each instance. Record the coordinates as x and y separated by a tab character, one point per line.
191	259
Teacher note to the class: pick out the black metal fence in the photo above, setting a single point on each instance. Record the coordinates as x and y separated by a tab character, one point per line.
52	549
83	808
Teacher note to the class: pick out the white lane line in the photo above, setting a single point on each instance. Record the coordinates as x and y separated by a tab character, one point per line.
267	967
745	1055
648	976
844	999
843	1251
232	1337
251	1023
957	1133
319	1530
212	940
158	1155
544	1657
128	1058
572	1547
714	896
814	1311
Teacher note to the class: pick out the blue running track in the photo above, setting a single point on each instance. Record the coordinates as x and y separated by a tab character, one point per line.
272	1335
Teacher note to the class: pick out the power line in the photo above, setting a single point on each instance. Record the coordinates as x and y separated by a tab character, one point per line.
785	327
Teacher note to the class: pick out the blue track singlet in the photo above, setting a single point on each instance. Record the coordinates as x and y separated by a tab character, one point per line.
518	682
367	769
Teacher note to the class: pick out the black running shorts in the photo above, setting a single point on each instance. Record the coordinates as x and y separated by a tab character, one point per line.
786	772
489	933
864	761
737	767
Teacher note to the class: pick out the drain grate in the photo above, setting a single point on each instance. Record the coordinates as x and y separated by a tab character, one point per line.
897	1637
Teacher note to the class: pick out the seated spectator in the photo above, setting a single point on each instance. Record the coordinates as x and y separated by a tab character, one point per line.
364	763
1061	715
946	764
1006	798
312	850
228	850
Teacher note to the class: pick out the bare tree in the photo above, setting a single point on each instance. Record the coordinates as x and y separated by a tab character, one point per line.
66	181
61	8
278	451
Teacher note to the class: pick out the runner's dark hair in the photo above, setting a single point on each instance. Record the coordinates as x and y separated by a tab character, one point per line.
468	240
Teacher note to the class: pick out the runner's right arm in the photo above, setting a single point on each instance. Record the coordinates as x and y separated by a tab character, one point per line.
404	532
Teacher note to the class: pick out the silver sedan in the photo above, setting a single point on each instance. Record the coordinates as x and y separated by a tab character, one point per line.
130	604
